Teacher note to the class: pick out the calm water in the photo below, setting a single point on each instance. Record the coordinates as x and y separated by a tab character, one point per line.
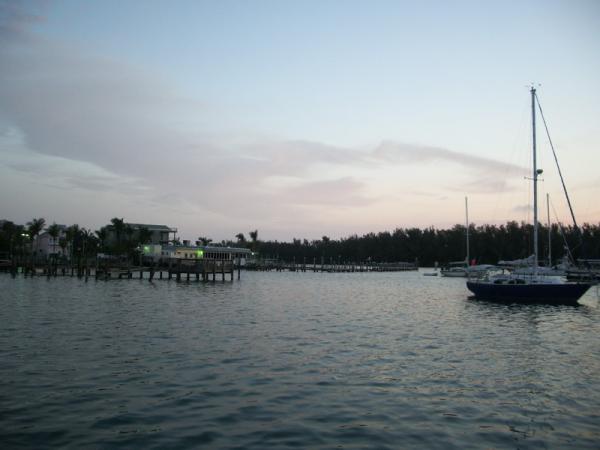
281	360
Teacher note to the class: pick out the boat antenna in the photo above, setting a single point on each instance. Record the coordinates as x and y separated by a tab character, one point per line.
562	180
535	179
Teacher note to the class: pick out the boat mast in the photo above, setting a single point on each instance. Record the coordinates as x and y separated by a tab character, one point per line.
535	177
467	214
549	231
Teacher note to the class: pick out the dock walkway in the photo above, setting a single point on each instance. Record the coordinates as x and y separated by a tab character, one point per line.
280	266
174	268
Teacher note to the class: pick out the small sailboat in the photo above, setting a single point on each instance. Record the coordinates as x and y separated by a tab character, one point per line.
459	268
464	269
534	288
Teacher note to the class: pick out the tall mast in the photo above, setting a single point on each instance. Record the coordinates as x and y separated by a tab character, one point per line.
467	214
549	231
535	177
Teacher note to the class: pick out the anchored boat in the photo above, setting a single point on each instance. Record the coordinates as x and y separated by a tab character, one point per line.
459	268
534	288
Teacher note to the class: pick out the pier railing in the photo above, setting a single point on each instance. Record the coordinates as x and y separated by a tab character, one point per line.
369	266
182	268
117	268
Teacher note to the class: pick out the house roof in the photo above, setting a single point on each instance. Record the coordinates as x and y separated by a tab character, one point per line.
60	227
206	248
152	227
61	230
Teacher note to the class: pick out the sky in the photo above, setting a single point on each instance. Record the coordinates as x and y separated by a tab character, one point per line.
296	119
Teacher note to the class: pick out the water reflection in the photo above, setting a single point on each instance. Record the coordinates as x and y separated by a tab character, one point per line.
307	360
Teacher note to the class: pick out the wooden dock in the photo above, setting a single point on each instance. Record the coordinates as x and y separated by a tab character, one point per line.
188	269
280	266
176	268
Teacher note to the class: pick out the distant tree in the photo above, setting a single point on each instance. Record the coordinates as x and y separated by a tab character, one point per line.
144	235
204	240
88	241
118	226
254	237
72	237
10	236
488	244
34	227
54	231
102	235
130	244
20	238
63	243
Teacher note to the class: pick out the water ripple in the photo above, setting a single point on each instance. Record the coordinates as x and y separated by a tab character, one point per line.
293	360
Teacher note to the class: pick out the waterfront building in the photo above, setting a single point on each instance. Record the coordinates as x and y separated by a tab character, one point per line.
157	252
45	245
158	234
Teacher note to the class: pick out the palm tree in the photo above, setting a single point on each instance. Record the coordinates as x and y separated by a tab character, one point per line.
33	229
325	240
241	238
93	244
85	235
144	235
254	237
129	231
72	235
54	231
102	234
118	226
11	234
205	241
63	243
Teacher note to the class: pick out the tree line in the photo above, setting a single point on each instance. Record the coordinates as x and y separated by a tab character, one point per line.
488	243
73	242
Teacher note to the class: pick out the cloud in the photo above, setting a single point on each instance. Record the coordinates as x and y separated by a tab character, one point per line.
343	192
522	208
296	155
59	172
487	185
89	123
71	107
16	17
400	153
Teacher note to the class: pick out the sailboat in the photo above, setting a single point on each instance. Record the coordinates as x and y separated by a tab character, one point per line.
525	266
534	288
463	268
459	268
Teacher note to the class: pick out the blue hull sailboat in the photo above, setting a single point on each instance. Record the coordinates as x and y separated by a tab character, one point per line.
528	290
534	288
